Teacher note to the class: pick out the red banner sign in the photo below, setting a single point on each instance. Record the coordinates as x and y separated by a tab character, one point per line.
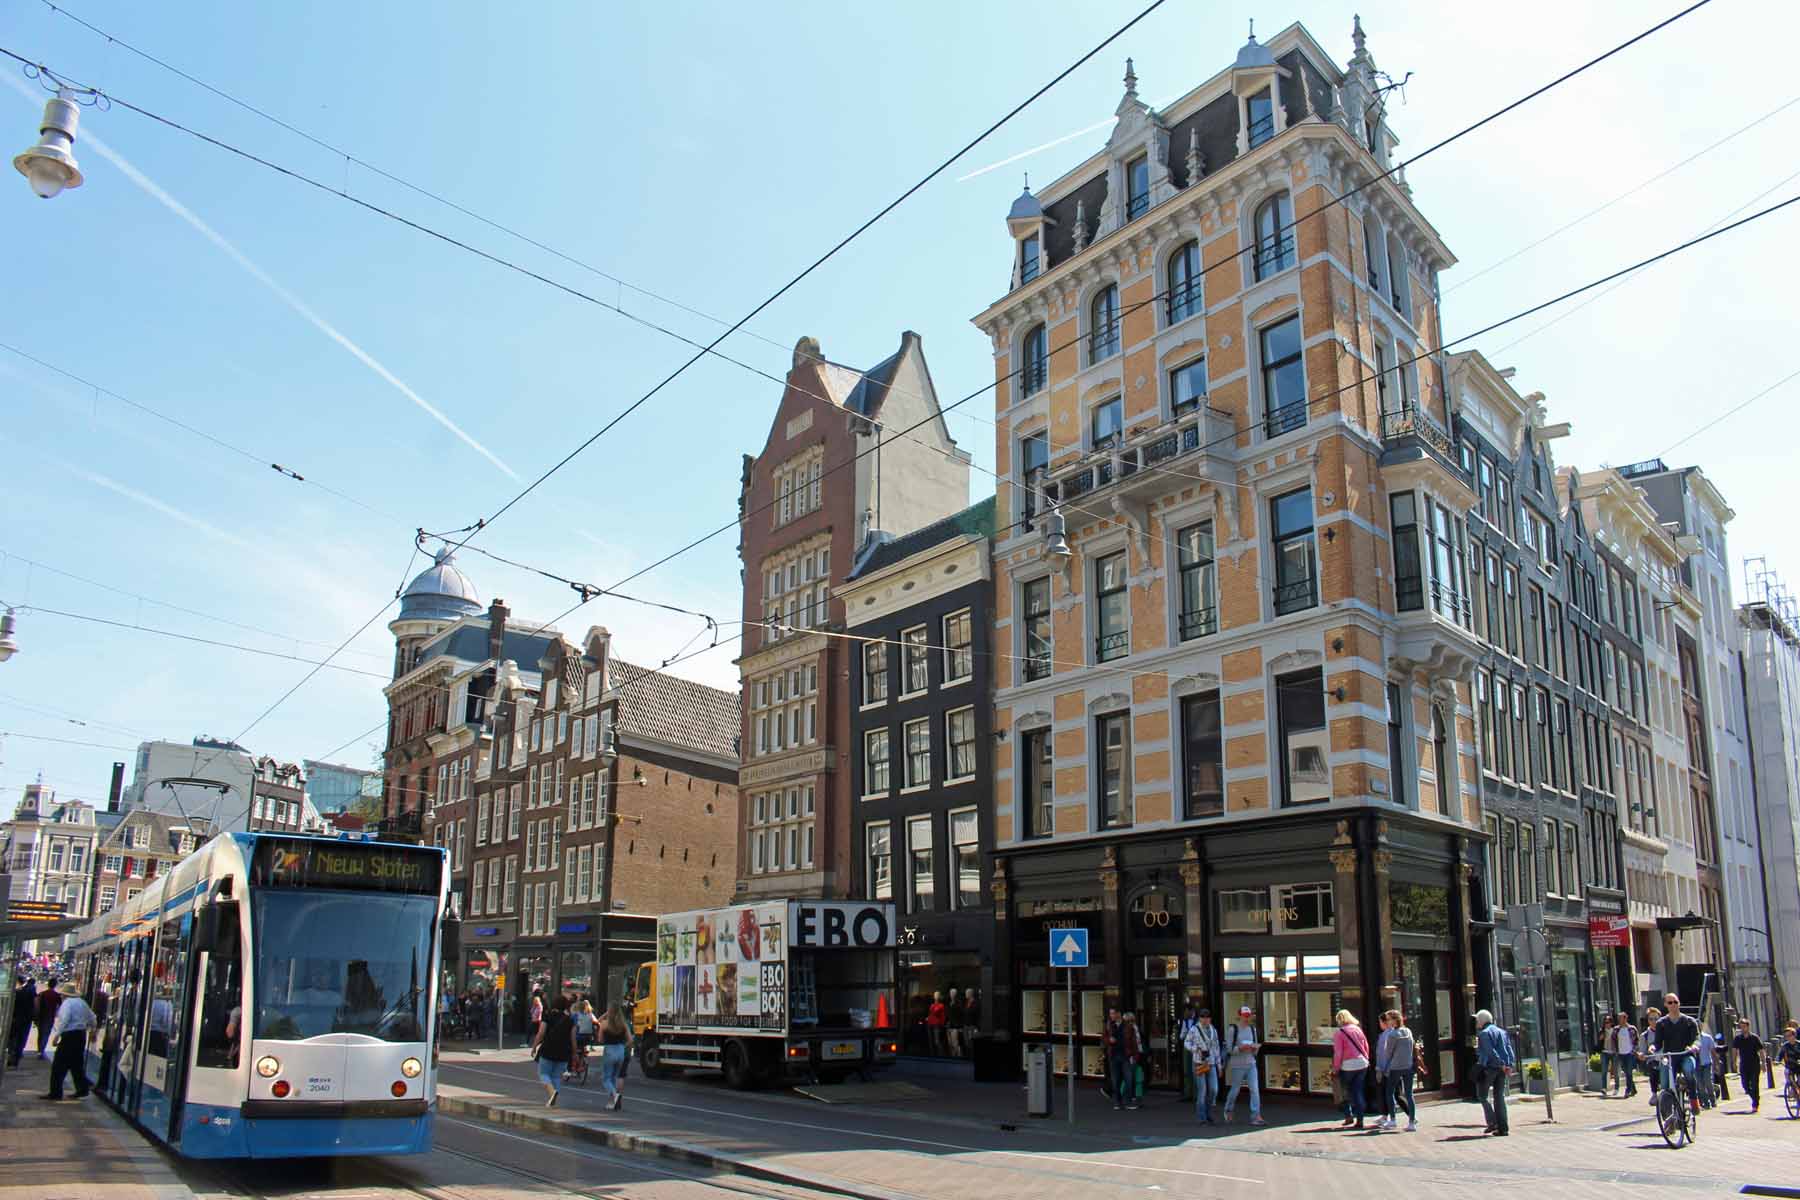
1609	933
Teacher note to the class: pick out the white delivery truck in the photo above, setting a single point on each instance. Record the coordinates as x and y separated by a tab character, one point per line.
778	990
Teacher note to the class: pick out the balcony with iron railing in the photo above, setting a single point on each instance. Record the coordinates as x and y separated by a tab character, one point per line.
1109	646
1410	431
1147	460
1295	595
1199	623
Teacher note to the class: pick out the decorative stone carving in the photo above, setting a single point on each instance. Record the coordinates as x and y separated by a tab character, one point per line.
1384	861
1343	861
1108	702
1032	720
1295	660
1196	162
1081	233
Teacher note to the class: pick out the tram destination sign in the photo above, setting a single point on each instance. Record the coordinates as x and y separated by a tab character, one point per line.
35	910
308	862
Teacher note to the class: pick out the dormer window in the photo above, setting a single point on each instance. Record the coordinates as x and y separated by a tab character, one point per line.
1137	187
1103	329
1030	261
1262	117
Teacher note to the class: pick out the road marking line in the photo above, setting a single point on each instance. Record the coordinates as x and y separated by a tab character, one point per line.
1036	1156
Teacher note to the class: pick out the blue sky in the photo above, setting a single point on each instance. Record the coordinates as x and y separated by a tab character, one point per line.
706	152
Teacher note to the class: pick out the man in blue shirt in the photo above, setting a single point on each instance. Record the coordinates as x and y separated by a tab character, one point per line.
1493	1064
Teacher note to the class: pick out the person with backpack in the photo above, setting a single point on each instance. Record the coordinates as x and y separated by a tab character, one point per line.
1240	1065
1201	1042
1396	1057
554	1048
1350	1059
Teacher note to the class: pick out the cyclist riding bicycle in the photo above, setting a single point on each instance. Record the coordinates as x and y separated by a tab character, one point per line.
1787	1051
1675	1036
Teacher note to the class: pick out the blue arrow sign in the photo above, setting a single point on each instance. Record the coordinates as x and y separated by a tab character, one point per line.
1069	947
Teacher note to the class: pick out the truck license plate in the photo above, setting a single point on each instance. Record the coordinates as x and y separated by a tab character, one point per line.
843	1050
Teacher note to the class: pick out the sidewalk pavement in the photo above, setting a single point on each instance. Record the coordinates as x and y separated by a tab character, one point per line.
75	1149
963	1138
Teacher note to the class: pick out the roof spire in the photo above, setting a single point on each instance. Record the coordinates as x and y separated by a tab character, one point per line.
1130	79
1356	33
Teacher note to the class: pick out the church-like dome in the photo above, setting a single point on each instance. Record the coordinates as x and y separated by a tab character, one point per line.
1254	54
1026	207
440	592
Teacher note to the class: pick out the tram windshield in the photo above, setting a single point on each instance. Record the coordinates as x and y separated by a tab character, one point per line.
336	963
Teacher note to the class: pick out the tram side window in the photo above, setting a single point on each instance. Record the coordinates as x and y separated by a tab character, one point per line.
221	1007
165	992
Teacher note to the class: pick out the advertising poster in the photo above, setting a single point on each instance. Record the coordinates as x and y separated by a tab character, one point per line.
706	992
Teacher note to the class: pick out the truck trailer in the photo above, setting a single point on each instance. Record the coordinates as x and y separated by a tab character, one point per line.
776	991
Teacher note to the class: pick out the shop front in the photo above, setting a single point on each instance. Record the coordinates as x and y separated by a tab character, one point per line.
947	958
1293	918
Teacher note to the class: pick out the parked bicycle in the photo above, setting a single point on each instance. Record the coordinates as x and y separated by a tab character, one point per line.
1677	1101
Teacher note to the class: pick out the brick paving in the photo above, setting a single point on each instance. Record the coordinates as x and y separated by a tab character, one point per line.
968	1139
73	1150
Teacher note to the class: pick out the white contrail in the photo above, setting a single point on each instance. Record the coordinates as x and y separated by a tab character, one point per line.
261	276
1053	143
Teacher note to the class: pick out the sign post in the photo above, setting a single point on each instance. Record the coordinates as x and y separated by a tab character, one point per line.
1532	950
1069	950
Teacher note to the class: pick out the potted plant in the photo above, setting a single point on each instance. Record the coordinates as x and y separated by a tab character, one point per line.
1535	1076
1596	1074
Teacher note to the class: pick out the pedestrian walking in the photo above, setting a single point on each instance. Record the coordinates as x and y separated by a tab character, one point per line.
1652	1015
1112	1043
1625	1046
615	1045
1134	1063
69	1033
48	1001
1704	1048
952	1030
1396	1053
1188	1022
1749	1049
1609	1057
1350	1060
1721	1066
1201	1042
553	1045
1494	1064
971	1020
1241	1046
24	1011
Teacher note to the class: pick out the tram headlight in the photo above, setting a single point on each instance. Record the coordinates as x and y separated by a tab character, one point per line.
411	1068
268	1066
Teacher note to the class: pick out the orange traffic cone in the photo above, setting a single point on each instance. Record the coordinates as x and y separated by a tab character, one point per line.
882	1020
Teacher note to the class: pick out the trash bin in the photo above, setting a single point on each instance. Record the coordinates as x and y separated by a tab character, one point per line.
1037	1081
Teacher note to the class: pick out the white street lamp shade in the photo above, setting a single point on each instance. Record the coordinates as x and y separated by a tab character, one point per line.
50	165
8	647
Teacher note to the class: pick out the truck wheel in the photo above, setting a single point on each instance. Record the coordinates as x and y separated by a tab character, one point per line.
735	1062
650	1056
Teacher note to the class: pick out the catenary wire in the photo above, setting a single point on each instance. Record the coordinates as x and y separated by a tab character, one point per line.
771	299
6	555
260	460
710	348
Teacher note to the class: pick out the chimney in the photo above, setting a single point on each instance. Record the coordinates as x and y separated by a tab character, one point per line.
497	614
118	788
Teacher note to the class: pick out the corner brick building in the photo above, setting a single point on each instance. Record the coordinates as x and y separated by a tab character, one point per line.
801	522
1227	747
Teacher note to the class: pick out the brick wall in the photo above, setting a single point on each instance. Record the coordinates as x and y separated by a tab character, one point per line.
675	839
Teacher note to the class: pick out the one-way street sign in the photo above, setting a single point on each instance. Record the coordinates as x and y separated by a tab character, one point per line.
1068	947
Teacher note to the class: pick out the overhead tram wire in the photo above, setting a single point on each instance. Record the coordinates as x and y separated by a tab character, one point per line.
1362	380
710	348
1249	248
258	459
733	328
7	555
671	377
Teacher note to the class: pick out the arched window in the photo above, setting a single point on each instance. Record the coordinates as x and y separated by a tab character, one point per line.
1103	327
1440	760
1396	277
1185	283
1034	370
1274	240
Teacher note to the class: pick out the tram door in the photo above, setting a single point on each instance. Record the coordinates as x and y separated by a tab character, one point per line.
181	1030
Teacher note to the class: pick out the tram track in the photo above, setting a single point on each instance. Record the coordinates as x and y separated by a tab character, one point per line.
397	1179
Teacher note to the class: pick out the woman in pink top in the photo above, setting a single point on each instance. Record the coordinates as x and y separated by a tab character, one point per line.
1350	1059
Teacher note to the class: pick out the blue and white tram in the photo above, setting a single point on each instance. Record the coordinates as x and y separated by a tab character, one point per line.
329	945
